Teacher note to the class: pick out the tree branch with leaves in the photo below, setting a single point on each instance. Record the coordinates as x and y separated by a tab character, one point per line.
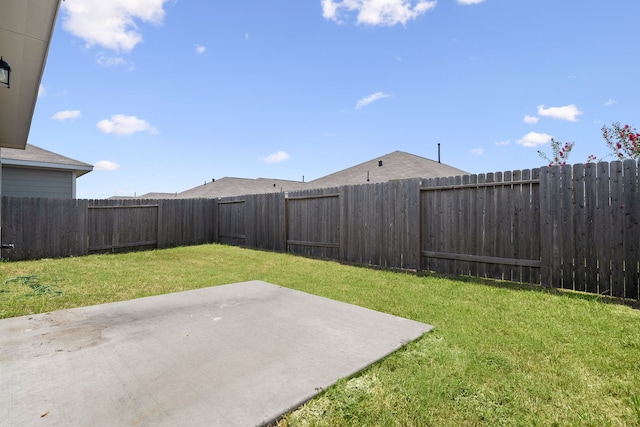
559	153
624	141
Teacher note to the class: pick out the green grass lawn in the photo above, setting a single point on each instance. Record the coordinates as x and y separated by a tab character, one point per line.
497	356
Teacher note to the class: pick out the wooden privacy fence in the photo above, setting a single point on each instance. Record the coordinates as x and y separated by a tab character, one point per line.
109	227
590	236
485	225
313	223
363	224
573	227
256	221
47	228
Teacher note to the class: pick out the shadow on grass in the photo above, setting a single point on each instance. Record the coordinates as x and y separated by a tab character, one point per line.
530	287
496	283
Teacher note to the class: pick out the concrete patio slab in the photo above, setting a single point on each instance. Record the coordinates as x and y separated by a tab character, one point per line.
233	355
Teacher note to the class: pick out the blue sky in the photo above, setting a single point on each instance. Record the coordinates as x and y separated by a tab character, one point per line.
163	95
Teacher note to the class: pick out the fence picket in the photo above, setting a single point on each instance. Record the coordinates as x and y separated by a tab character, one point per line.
603	240
590	253
616	233
580	228
631	229
565	224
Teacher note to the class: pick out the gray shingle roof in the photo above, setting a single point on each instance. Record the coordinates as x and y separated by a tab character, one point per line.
390	167
37	157
229	186
158	196
393	166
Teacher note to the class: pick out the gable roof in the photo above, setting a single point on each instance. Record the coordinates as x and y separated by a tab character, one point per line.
390	167
229	186
36	157
393	166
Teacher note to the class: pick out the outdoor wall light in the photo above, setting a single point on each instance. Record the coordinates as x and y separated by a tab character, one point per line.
5	73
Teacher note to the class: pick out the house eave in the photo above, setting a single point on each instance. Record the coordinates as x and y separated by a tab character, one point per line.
80	170
26	28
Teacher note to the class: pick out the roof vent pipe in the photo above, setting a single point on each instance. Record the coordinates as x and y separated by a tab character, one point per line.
379	163
438	152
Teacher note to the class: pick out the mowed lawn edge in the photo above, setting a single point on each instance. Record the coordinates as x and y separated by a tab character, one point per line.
497	356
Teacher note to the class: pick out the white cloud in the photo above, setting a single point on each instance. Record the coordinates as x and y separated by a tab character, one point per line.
278	157
66	115
477	151
371	98
122	125
377	12
568	112
330	10
200	49
42	91
502	143
533	139
531	119
111	24
610	102
112	61
106	165
246	36
466	2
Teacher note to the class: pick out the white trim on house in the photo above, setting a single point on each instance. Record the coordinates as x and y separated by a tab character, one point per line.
46	165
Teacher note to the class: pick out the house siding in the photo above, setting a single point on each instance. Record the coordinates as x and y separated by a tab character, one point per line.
25	182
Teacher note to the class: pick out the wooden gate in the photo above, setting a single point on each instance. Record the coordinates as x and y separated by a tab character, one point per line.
231	221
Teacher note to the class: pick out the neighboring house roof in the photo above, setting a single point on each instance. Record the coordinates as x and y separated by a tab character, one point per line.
390	167
25	33
36	157
153	196
228	186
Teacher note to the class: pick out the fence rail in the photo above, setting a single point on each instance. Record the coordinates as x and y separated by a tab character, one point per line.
572	227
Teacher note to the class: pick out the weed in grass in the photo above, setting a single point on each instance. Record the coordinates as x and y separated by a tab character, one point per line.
26	294
33	283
